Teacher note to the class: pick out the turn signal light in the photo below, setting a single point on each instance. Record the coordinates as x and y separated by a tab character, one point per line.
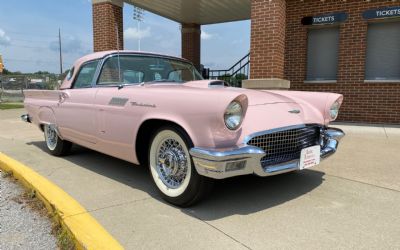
234	166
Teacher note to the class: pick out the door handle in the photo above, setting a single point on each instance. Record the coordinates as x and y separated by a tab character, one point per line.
63	96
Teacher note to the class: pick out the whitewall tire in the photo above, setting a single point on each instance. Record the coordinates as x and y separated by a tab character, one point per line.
172	168
54	143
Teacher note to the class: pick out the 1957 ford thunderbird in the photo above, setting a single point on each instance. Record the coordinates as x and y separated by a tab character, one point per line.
157	110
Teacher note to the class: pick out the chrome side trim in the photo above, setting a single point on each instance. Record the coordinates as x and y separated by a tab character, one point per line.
118	101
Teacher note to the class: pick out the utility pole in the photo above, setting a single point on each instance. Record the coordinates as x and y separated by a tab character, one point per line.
59	42
1	78
138	15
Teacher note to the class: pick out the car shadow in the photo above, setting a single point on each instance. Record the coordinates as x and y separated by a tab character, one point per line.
238	195
249	194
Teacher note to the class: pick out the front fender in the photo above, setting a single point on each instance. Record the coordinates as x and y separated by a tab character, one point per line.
320	101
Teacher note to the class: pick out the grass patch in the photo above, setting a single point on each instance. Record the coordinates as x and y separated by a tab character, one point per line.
28	199
64	239
11	105
6	174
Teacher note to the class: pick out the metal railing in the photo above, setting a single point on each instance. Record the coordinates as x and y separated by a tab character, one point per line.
235	74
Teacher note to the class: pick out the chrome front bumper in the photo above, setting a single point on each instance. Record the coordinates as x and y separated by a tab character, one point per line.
228	162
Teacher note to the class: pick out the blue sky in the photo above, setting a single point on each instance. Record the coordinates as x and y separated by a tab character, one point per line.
29	35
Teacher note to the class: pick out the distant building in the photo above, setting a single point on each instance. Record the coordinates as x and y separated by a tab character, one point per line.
1	64
36	81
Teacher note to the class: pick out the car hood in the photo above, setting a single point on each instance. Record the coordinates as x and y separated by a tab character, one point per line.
255	97
268	109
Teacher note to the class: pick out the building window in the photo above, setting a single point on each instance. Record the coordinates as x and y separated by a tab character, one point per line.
322	54
383	51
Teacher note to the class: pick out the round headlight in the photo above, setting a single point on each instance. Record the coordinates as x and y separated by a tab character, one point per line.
334	110
233	115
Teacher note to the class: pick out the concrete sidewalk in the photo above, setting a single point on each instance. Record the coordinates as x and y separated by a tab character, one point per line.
351	200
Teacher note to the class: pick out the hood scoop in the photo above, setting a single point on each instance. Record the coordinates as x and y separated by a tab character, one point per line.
219	83
207	84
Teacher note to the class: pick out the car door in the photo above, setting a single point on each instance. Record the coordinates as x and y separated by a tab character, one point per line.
75	113
116	120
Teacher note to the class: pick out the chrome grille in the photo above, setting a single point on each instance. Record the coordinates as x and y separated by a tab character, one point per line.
285	145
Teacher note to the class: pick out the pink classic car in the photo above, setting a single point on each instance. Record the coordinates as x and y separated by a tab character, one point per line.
157	110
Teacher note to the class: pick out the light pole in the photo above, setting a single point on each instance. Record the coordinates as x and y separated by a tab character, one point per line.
1	78
138	15
59	46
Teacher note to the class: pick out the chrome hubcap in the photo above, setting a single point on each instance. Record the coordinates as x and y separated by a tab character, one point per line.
172	165
51	137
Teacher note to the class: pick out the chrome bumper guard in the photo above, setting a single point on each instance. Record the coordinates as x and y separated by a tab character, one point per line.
26	118
228	162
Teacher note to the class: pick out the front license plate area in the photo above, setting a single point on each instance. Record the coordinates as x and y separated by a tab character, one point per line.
310	157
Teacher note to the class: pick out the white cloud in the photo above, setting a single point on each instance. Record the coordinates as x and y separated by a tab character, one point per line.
4	39
69	45
206	35
134	33
237	42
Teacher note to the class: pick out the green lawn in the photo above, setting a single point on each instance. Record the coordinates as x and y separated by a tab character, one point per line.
11	105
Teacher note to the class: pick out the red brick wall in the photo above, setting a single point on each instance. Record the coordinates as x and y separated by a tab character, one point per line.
191	44
267	43
363	102
106	18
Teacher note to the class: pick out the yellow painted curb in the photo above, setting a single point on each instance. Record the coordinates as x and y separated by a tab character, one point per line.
88	233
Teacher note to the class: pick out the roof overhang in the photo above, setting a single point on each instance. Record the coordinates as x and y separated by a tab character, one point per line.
197	11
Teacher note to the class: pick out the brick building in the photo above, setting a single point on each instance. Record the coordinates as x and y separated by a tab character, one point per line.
345	46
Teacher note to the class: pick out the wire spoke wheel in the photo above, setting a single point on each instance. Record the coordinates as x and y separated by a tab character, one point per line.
172	163
51	137
172	168
54	143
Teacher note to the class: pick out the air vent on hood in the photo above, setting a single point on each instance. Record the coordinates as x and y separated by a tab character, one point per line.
214	84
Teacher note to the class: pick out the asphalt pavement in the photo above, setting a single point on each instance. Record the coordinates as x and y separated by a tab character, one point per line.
351	200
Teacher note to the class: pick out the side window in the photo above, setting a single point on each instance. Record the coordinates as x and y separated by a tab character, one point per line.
109	72
175	75
70	73
132	76
129	68
85	76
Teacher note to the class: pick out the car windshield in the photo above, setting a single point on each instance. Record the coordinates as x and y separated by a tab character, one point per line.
136	69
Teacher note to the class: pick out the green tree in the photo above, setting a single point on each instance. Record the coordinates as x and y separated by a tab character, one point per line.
6	72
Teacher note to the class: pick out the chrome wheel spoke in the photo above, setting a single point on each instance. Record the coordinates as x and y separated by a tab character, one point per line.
172	164
51	137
